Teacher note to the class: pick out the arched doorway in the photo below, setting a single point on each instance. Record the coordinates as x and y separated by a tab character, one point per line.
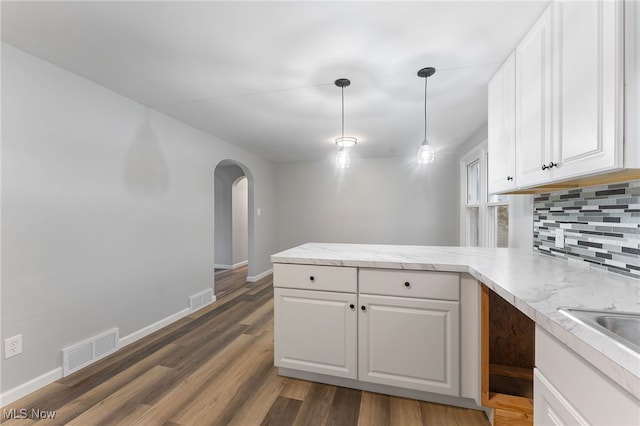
233	223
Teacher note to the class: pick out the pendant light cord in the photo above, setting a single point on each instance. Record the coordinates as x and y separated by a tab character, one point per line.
425	108
342	89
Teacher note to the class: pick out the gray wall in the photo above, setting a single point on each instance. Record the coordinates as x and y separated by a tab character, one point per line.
225	176
107	212
376	200
240	219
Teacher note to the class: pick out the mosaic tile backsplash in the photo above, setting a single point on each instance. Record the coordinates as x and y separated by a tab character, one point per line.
601	226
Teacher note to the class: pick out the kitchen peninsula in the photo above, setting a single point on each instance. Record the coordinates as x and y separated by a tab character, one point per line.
379	300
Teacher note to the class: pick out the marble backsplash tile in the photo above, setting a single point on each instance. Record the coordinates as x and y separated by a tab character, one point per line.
601	226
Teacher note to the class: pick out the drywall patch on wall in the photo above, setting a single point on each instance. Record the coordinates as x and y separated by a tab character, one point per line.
601	226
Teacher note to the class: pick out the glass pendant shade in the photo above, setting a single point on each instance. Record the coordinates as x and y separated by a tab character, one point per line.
426	154
346	141
343	160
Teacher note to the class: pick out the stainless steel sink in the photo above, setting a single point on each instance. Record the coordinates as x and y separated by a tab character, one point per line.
624	327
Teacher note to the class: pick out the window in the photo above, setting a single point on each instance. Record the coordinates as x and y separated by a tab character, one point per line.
473	204
484	219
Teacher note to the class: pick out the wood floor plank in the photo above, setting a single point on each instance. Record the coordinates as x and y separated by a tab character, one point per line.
283	412
247	388
439	414
295	389
258	314
178	399
434	414
374	410
128	394
213	398
256	407
316	405
345	407
404	412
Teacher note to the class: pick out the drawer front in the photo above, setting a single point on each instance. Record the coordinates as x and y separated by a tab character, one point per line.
596	397
427	285
312	277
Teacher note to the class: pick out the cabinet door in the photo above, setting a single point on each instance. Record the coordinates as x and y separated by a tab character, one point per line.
316	331
533	103
410	343
502	98
550	407
588	81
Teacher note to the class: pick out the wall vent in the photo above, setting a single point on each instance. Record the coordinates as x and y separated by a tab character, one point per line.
200	300
78	356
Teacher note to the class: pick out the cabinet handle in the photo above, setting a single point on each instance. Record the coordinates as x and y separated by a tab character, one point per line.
407	284
550	166
544	167
312	278
352	306
509	177
364	308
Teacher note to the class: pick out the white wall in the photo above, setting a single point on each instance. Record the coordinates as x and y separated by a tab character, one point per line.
376	200
240	219
521	221
107	212
225	176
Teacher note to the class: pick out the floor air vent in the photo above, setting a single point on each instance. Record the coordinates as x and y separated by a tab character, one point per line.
78	356
200	300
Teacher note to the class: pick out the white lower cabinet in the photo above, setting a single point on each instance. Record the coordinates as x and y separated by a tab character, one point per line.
550	407
316	331
409	343
388	327
569	391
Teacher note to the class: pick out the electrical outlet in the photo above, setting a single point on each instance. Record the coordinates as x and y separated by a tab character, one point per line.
13	346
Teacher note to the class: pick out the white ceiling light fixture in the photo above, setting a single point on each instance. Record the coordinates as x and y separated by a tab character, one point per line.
426	154
343	160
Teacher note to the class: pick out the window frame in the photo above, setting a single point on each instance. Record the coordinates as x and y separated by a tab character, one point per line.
487	235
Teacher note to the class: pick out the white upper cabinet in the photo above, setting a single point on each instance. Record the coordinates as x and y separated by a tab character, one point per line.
533	103
588	87
502	97
570	99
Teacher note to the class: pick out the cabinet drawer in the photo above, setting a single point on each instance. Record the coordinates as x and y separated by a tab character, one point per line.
426	285
312	277
593	395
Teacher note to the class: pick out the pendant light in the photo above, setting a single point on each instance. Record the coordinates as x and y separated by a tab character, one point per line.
343	159
426	154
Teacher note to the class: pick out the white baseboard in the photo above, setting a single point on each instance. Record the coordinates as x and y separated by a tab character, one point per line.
32	385
143	332
239	264
254	278
234	266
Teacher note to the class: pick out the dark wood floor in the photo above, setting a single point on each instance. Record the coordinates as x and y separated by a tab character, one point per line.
216	367
230	280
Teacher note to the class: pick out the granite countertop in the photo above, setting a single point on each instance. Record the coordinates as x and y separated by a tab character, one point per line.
536	284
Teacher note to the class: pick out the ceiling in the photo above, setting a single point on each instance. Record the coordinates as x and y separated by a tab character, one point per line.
260	75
